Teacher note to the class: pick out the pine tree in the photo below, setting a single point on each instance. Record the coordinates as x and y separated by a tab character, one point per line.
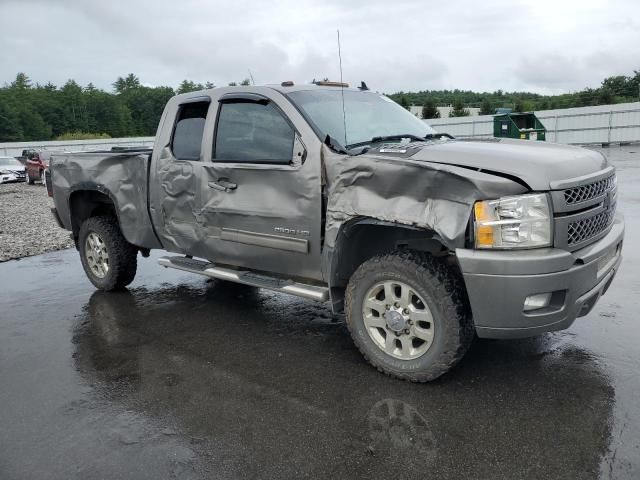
122	85
10	127
522	106
429	109
605	96
22	82
458	109
486	108
189	86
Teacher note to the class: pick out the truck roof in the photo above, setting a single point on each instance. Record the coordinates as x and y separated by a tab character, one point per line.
309	86
276	87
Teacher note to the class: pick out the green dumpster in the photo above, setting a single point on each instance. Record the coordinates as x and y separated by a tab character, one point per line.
524	126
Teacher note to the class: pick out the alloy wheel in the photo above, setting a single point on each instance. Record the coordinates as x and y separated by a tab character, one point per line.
95	252
398	320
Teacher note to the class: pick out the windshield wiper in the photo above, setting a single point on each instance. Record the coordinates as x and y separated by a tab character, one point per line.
410	136
414	138
438	136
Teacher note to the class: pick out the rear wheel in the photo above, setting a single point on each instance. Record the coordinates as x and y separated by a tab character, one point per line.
408	314
108	259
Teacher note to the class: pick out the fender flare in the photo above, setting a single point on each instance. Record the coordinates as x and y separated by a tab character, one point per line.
92	187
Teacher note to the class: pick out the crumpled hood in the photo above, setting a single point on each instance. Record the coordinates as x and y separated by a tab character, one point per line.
536	163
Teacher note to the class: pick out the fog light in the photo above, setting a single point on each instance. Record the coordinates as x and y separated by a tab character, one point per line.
534	302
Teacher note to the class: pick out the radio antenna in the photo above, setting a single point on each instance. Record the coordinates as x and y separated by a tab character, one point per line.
344	113
253	82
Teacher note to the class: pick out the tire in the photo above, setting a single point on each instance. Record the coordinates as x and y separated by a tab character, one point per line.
100	238
30	181
437	311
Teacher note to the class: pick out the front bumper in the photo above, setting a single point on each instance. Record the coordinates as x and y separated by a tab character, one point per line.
498	282
12	177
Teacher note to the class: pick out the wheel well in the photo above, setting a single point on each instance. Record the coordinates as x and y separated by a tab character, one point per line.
359	241
84	204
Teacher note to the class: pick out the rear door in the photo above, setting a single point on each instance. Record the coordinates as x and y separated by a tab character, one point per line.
176	172
260	194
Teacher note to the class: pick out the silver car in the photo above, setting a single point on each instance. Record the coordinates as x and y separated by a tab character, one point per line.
11	170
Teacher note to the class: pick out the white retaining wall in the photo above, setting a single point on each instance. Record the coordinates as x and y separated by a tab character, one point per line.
618	123
14	149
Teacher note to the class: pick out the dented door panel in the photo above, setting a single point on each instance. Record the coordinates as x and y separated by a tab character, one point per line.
270	220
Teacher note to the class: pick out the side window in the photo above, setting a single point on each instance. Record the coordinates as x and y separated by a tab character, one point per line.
187	135
253	133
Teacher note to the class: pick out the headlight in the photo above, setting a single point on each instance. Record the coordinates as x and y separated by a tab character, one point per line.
522	221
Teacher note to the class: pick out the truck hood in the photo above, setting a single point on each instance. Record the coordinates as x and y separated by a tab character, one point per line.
535	163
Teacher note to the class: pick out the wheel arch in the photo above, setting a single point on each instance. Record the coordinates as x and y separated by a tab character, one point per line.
362	238
88	200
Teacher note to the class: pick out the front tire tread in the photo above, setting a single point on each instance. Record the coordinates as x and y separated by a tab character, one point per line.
450	297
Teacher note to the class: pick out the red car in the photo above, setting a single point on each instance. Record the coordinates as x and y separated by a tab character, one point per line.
36	166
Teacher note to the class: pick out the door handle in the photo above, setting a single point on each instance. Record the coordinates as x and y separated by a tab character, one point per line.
223	185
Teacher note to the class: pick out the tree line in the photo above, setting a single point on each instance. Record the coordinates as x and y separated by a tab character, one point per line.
615	89
46	112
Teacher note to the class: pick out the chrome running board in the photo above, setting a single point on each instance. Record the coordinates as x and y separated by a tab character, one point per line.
246	277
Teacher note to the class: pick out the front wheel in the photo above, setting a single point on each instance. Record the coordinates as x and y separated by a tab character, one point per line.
408	314
108	259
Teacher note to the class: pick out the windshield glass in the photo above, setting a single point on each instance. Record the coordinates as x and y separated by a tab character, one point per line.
368	115
9	162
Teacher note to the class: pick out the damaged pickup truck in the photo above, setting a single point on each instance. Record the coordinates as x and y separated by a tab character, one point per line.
339	194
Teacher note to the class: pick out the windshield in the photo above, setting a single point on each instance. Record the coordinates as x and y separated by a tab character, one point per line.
367	115
9	162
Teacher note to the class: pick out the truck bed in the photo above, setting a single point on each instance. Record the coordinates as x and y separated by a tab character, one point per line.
121	174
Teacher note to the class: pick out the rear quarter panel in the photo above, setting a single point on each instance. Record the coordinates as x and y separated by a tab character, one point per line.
121	176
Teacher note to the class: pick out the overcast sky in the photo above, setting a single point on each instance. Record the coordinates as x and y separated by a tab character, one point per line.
547	46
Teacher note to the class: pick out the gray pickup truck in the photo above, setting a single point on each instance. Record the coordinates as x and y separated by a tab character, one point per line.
338	194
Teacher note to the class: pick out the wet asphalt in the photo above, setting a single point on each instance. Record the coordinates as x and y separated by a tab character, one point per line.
180	377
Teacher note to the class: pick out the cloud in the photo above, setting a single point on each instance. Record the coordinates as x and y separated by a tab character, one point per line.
551	71
555	73
400	45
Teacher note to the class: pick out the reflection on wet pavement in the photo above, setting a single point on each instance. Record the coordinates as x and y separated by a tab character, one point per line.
184	378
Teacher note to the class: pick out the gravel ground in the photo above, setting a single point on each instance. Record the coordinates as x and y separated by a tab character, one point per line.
26	224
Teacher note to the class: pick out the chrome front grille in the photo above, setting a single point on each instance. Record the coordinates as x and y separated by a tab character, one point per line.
589	191
584	209
583	230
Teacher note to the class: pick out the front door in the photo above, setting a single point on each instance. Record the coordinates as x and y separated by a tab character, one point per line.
260	193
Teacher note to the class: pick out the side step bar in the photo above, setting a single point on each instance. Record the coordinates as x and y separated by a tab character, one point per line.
246	277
